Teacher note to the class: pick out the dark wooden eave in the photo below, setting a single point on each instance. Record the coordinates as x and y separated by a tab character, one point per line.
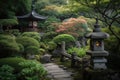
32	16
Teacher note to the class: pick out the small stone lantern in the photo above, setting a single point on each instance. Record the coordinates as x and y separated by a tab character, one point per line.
97	51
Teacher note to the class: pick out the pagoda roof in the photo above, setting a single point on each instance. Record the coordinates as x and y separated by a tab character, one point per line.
32	16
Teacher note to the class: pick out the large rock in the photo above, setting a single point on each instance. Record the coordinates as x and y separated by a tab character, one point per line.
46	58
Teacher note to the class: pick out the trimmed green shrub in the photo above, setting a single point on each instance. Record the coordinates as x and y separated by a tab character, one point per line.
32	50
8	45
63	37
34	35
6	73
27	41
21	48
31	70
31	45
12	61
51	45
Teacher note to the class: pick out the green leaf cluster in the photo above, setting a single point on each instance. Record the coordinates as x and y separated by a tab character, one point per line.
81	52
6	73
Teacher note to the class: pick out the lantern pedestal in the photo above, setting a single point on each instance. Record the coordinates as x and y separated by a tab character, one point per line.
98	59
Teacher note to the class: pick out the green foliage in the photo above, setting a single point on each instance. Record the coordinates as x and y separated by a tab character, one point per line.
31	45
113	47
47	25
14	8
6	73
27	41
48	36
63	37
34	35
42	51
51	45
31	70
12	61
58	2
32	50
24	69
21	48
79	51
112	44
15	32
8	45
7	22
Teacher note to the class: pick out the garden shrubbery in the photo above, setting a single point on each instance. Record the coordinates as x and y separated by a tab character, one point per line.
6	73
27	41
81	52
21	69
8	45
12	61
34	35
31	70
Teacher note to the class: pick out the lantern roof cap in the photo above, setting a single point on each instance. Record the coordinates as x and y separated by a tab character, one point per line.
97	35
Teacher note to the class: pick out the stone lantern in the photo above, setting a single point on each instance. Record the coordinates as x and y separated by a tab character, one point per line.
97	51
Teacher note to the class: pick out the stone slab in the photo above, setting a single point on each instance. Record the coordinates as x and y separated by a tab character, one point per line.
58	70
62	76
52	67
48	64
63	79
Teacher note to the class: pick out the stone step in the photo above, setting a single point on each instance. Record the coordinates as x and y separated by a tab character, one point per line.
57	73
62	76
52	67
57	70
49	64
63	79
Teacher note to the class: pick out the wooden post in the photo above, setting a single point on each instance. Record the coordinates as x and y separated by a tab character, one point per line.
63	51
73	62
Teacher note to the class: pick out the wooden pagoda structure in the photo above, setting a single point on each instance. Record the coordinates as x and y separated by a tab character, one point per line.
33	17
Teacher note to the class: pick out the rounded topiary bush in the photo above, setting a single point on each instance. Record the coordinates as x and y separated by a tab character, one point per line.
34	35
8	45
63	37
31	45
32	50
27	41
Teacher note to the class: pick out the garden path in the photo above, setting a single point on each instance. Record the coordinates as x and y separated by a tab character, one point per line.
55	72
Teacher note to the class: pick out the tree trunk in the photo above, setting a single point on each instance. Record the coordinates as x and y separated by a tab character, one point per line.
1	29
63	47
